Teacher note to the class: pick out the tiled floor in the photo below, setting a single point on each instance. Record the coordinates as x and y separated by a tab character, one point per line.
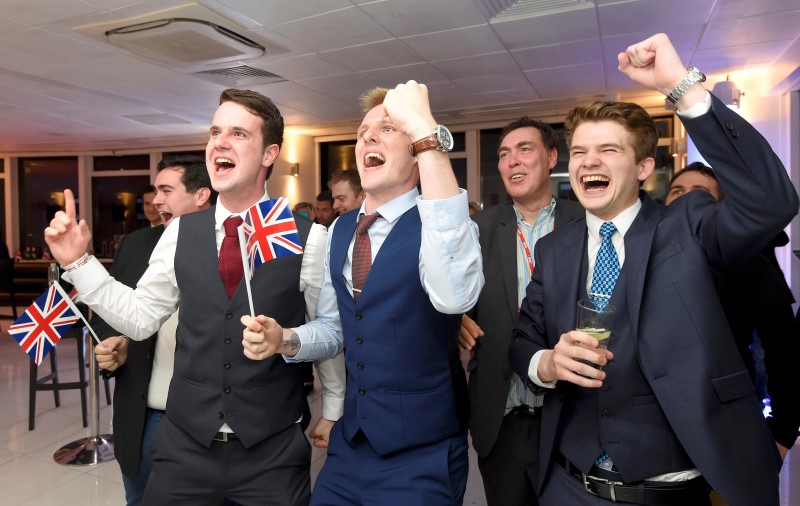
29	476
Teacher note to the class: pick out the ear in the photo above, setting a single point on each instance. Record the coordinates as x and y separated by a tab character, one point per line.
201	197
552	159
271	153
646	168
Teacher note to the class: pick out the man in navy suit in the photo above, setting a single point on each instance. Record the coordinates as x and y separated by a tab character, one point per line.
402	438
673	410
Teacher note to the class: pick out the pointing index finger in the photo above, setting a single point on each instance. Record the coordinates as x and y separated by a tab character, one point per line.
69	204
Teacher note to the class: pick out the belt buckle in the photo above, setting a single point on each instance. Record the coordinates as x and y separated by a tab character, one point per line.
223	438
602	481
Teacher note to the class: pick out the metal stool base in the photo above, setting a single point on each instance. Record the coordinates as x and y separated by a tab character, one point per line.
87	451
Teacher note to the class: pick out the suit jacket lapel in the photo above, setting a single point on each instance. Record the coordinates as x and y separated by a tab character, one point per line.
570	259
507	245
638	246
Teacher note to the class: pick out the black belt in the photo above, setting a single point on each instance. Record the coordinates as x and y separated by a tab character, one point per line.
651	493
526	411
224	437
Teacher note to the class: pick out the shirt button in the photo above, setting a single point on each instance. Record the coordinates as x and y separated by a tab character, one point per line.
362	391
229	315
359	340
227	365
227	389
358	316
360	365
227	340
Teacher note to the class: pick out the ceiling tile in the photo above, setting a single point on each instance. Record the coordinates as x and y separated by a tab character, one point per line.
492	83
571	53
333	30
753	30
548	29
421	72
497	63
732	9
413	17
346	88
741	57
573	80
378	55
306	66
274	13
42	12
455	43
652	16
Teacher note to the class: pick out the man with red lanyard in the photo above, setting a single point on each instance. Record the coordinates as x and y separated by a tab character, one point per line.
504	419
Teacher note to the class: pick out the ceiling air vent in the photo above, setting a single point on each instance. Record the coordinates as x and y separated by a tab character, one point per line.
184	43
239	76
510	10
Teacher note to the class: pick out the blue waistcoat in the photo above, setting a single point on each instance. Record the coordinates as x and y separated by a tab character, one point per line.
405	385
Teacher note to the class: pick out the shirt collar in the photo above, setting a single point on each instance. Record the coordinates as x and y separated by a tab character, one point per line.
547	210
622	221
221	213
395	208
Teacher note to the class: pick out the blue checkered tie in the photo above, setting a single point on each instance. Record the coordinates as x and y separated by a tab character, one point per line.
606	272
606	268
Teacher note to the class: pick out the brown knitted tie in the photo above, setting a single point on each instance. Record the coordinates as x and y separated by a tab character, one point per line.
230	256
362	253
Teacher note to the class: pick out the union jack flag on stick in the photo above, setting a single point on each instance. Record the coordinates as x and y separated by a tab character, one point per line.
268	232
41	326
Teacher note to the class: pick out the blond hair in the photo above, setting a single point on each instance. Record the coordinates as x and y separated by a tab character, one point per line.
372	98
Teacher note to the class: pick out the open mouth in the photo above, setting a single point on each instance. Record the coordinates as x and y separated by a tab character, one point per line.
517	177
595	183
224	164
165	216
372	160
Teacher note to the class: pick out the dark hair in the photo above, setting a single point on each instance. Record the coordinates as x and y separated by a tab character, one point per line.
325	195
549	136
698	167
149	189
261	106
632	117
195	173
351	176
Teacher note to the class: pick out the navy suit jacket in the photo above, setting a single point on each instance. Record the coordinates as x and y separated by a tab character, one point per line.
683	344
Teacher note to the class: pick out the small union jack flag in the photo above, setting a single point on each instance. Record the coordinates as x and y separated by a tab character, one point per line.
41	326
271	232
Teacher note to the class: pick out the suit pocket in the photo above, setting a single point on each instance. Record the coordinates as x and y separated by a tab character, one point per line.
733	386
644	400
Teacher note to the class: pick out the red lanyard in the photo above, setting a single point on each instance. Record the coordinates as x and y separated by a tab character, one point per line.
525	247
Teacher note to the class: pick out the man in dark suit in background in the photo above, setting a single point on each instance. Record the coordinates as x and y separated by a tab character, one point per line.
139	404
675	408
505	416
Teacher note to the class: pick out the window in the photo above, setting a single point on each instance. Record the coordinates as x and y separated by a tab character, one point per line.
116	210
41	193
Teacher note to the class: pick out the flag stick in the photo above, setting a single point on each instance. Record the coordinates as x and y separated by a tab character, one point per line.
246	267
75	308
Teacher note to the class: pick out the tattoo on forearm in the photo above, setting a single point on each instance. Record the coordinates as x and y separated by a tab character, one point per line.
293	342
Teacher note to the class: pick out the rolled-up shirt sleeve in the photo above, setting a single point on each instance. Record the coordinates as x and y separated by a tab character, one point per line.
451	268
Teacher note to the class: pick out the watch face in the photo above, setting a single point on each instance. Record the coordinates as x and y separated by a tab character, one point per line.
445	137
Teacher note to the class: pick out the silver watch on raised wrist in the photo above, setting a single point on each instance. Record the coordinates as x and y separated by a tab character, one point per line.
693	76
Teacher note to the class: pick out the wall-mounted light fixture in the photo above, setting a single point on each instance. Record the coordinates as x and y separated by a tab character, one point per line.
728	92
294	169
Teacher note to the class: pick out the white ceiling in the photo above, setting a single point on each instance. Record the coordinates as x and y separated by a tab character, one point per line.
64	90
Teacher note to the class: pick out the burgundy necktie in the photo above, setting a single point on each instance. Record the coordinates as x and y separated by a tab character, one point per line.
230	256
362	253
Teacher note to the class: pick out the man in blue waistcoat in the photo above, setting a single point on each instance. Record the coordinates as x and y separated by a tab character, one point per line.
402	437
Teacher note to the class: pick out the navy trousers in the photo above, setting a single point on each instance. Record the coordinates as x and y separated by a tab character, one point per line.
354	474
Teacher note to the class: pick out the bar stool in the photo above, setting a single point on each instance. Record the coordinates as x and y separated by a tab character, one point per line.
50	381
7	285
